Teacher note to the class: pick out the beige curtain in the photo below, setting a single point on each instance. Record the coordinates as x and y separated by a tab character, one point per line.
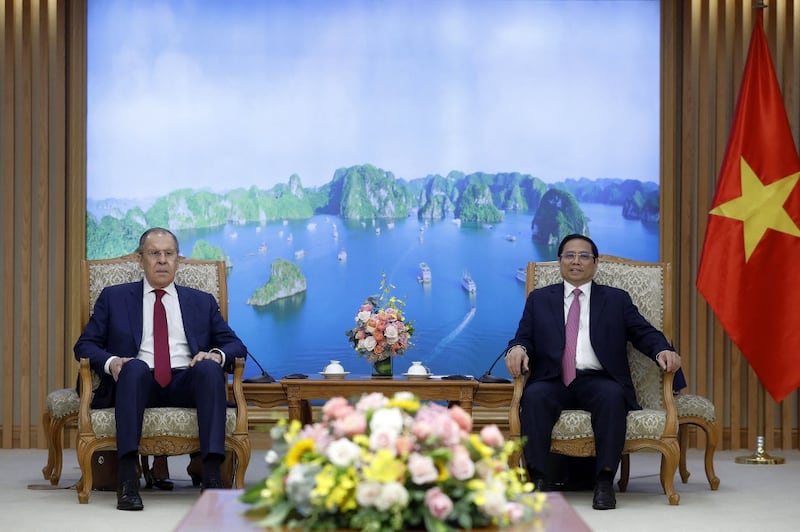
43	196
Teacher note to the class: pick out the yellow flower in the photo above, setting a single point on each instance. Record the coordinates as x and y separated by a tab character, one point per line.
298	449
294	430
481	448
384	467
409	405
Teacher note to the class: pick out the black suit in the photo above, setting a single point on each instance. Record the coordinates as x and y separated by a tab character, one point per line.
608	395
115	328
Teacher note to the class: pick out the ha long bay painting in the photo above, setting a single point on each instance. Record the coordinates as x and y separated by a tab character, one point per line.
335	142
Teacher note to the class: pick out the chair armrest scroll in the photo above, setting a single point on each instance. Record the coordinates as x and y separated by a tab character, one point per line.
85	408
238	397
671	427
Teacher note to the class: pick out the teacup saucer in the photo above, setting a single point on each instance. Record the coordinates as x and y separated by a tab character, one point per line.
416	376
334	376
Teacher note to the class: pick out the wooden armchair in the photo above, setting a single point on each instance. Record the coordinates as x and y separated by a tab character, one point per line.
654	427
165	431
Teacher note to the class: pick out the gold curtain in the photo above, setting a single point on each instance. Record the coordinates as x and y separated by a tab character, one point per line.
43	197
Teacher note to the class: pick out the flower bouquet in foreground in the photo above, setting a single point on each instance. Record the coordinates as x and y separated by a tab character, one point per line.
391	464
381	329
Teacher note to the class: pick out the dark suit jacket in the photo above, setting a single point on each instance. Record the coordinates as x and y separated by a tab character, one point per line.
613	321
115	328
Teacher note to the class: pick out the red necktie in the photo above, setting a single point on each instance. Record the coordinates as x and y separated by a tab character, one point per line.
571	347
163	368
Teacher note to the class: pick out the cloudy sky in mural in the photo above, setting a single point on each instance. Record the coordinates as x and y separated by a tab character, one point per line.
224	94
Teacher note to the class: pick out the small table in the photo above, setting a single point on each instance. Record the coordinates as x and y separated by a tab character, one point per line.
221	510
300	391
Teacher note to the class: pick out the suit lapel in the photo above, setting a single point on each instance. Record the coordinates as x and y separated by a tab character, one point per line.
184	301
134	306
557	309
597	302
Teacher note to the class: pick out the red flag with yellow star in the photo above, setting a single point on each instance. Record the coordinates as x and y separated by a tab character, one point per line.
750	266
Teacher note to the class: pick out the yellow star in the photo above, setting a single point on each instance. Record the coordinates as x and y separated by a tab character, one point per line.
760	207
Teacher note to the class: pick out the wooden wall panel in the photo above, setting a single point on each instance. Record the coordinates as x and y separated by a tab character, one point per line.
43	198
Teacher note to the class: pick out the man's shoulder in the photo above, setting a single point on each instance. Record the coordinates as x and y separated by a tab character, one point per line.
608	291
122	287
187	291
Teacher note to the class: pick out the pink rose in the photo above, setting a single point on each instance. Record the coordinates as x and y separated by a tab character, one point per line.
491	436
404	445
461	465
438	503
350	425
336	408
515	512
460	416
383	439
422	429
372	401
422	469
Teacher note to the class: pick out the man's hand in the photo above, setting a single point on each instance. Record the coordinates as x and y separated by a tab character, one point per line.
669	360
516	361
206	355
116	366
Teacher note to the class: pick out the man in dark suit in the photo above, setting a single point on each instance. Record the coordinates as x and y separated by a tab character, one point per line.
596	377
159	344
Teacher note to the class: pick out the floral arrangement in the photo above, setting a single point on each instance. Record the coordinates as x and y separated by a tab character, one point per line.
381	329
386	464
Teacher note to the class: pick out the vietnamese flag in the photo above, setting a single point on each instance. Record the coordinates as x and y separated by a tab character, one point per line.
750	267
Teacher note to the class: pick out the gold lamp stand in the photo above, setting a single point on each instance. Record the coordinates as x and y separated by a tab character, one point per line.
760	456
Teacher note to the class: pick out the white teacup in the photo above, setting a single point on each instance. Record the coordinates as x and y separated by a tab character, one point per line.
334	367
417	368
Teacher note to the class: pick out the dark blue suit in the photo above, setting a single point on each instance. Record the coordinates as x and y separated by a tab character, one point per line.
613	321
115	328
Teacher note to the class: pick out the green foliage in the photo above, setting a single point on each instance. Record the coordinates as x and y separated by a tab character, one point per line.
286	279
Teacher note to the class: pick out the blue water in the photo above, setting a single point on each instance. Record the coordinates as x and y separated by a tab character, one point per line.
455	332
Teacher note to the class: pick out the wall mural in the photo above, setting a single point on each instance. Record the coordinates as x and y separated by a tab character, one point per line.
315	146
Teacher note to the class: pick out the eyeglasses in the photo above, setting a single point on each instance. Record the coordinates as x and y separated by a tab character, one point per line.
155	255
582	256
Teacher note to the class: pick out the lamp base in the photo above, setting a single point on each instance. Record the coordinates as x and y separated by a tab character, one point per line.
760	456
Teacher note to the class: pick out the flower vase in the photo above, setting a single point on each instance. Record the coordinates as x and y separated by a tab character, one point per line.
382	368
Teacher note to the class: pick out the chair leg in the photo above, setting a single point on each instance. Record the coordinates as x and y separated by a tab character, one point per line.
683	442
624	472
54	436
669	463
712	433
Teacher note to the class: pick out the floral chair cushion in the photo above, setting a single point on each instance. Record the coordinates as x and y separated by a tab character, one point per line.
62	403
164	421
690	405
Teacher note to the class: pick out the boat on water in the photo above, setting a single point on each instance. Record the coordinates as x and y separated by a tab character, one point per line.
511	238
342	256
468	284
300	253
424	275
521	275
262	249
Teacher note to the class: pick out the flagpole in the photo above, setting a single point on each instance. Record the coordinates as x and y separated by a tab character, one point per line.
760	456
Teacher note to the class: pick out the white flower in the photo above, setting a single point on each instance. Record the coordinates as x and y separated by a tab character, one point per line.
391	334
272	457
343	452
393	494
404	396
367	492
363	316
383	439
390	419
367	343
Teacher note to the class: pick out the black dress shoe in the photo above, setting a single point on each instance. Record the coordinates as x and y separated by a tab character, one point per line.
128	496
604	498
541	483
164	484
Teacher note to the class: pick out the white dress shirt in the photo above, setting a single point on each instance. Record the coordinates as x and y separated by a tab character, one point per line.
585	357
